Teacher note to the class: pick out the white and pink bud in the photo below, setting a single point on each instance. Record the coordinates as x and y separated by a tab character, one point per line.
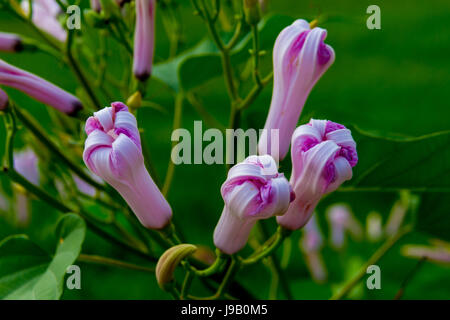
253	190
10	42
39	89
45	17
323	155
144	38
113	152
300	58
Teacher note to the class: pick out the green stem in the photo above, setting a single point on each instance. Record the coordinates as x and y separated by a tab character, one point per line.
214	268
178	112
347	288
270	245
112	262
409	277
77	70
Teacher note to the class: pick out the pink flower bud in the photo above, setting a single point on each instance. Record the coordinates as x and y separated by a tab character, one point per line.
38	88
113	152
10	42
96	6
341	221
144	38
45	17
253	190
323	154
300	57
4	100
26	164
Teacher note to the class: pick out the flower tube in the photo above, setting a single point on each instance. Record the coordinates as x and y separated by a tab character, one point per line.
39	89
4	100
253	190
45	17
113	152
323	155
10	42
144	38
300	58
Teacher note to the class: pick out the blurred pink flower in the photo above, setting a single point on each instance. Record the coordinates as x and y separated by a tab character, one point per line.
311	243
253	190
144	38
96	6
438	252
113	152
39	89
26	164
341	220
300	57
10	42
45	17
323	154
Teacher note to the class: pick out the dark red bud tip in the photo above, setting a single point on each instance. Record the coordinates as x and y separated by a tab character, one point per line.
77	107
142	76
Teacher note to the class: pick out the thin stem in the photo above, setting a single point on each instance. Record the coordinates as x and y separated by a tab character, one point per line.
270	245
253	94
347	288
214	268
178	112
112	262
409	277
186	284
77	70
255	54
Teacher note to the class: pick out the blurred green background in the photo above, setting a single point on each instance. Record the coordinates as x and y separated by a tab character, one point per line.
393	83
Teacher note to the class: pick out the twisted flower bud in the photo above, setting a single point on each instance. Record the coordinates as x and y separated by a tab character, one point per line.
113	152
300	57
253	190
144	37
10	42
323	155
45	17
38	88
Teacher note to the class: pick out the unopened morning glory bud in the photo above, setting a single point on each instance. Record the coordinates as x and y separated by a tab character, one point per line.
113	152
323	155
144	38
438	251
169	260
253	190
96	6
4	100
341	221
39	89
45	17
300	57
10	42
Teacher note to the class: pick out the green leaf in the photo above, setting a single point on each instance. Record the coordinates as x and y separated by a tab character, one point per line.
418	164
28	272
434	215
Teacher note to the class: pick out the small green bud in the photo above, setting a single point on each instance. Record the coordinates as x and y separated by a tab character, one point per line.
93	19
135	100
252	11
169	261
110	9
